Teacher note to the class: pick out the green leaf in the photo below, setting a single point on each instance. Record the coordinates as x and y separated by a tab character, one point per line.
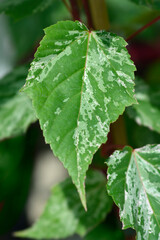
139	136
103	232
22	8
148	3
11	153
133	182
147	112
16	112
79	82
64	215
16	164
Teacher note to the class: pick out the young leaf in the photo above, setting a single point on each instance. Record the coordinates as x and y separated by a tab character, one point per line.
64	215
22	8
147	112
79	82
16	112
133	182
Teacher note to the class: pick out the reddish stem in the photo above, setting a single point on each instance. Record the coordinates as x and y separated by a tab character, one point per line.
88	14
115	146
143	28
109	148
130	238
1	205
75	10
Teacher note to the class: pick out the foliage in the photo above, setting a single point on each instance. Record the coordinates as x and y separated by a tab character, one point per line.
133	177
79	82
14	105
21	8
103	233
16	166
147	111
79	90
64	212
129	17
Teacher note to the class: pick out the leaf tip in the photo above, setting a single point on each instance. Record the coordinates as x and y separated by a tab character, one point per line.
23	89
19	234
83	200
82	195
26	233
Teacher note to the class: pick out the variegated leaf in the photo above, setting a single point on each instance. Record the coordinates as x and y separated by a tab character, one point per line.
147	111
80	81
134	184
64	215
16	112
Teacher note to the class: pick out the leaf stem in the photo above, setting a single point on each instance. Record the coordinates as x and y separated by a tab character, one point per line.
109	149
75	10
143	28
88	14
1	205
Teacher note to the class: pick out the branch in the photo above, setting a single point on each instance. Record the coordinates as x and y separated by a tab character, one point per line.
143	28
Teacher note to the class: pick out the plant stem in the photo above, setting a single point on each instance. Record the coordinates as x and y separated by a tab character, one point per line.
143	28
88	14
75	10
1	205
118	130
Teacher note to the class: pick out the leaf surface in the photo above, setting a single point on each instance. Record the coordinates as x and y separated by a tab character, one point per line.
64	215
16	112
133	182
147	112
79	82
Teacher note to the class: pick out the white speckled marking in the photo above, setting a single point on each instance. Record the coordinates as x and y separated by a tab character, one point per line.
138	177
